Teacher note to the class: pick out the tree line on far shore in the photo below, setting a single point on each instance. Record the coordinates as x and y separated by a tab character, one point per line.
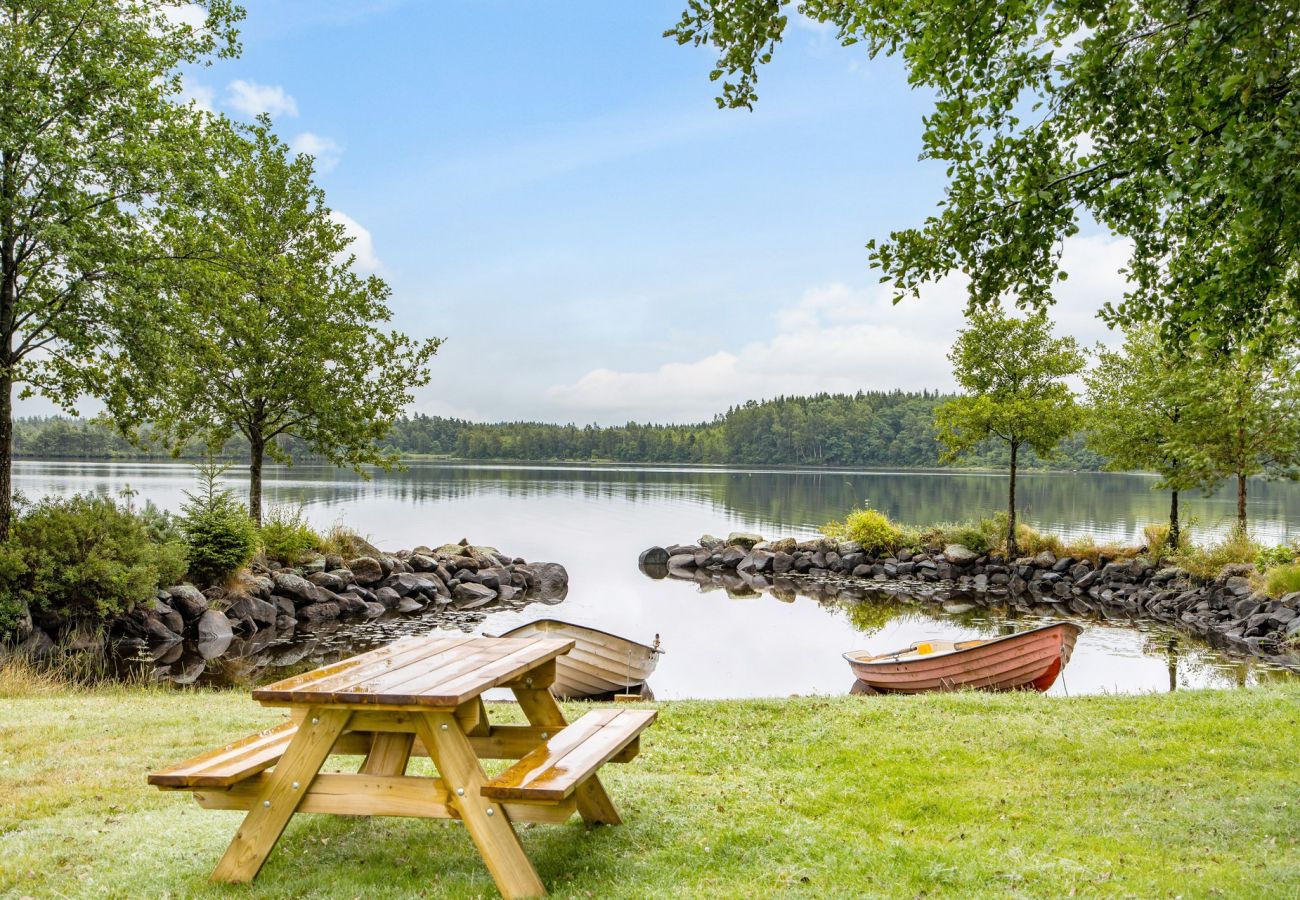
875	428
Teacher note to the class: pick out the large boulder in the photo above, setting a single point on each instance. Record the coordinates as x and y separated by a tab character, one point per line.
547	580
959	554
471	596
187	600
655	556
406	584
366	570
169	617
329	580
215	634
387	597
297	588
744	539
318	612
246	606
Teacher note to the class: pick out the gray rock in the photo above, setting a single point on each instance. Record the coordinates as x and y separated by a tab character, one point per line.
682	561
959	555
745	539
709	542
406	584
387	597
188	600
655	556
471	591
215	634
297	588
548	580
421	563
328	580
246	606
1045	560
375	610
350	604
409	605
366	570
318	612
168	616
311	567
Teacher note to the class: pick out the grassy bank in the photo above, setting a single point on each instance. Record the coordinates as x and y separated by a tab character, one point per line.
1166	795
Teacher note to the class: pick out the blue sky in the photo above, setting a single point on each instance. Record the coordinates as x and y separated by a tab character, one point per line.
551	187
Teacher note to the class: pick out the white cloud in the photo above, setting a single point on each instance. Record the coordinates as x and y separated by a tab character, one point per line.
326	150
251	99
203	97
190	14
362	246
837	338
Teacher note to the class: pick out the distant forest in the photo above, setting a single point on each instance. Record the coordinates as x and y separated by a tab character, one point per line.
875	429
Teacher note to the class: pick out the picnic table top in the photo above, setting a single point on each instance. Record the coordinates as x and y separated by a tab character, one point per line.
435	672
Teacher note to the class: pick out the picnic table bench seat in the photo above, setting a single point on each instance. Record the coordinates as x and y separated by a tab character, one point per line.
552	772
556	769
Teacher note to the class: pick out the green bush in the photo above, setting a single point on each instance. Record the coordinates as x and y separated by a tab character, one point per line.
869	527
221	536
286	537
1282	580
1157	538
1272	557
1208	561
83	559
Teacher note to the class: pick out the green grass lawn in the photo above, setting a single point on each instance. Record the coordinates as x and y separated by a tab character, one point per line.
1189	794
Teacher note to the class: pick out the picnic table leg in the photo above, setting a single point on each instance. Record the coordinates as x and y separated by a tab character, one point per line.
287	784
594	804
390	751
485	820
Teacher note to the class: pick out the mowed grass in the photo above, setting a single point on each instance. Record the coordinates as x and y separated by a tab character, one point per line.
1189	794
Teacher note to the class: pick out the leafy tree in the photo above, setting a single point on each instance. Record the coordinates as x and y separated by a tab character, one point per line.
271	332
217	528
1170	122
1138	409
89	136
1013	372
1244	412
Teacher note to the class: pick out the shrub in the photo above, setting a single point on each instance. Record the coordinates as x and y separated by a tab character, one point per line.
1282	580
346	543
221	536
286	537
869	527
1157	538
83	559
1208	561
1272	557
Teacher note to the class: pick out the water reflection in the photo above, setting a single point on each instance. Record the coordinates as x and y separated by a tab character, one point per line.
596	520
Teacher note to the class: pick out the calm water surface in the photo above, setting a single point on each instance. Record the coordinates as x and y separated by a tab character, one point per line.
595	520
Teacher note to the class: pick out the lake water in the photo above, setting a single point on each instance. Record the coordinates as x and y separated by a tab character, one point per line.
596	520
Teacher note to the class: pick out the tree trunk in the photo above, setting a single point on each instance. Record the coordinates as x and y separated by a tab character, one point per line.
1172	540
1012	549
1241	503
257	449
6	454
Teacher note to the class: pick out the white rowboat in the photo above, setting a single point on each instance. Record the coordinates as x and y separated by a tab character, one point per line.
599	664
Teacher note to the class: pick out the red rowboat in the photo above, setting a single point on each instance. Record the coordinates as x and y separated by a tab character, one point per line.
1028	660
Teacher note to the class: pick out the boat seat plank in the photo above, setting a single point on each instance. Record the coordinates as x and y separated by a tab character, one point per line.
554	771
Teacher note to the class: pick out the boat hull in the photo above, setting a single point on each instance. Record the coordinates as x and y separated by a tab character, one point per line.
599	665
1031	660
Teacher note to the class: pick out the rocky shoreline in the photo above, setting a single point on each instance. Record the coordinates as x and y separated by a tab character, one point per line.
268	602
1226	612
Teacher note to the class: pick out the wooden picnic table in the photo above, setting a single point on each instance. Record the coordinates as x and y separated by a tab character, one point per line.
419	696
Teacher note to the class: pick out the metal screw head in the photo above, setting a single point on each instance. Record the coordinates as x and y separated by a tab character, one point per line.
444	726
528	681
294	785
489	810
460	792
315	720
545	735
266	803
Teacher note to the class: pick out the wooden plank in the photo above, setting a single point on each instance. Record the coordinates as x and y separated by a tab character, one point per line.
350	795
233	762
506	669
329	680
594	802
480	671
283	791
389	754
487	822
555	771
466	657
